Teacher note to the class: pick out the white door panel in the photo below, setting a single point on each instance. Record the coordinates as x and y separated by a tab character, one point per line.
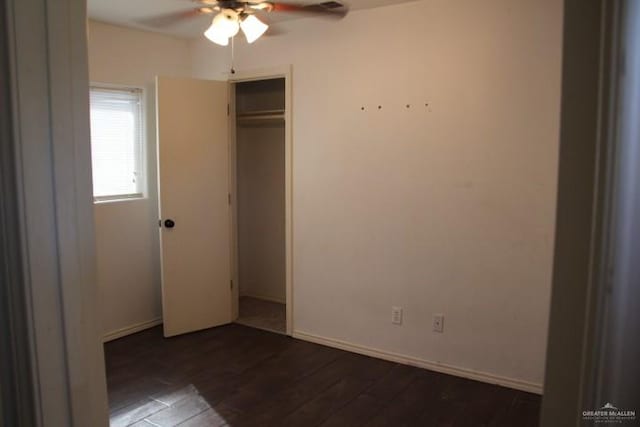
193	161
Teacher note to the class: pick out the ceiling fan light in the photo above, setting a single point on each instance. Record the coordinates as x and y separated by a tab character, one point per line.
224	25
216	37
253	28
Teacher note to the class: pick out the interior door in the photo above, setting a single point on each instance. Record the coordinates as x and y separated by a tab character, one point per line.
193	162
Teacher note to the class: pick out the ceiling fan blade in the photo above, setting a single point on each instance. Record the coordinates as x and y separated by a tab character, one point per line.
274	30
328	9
262	5
169	19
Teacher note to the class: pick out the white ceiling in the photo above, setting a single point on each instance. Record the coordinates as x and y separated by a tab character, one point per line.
132	13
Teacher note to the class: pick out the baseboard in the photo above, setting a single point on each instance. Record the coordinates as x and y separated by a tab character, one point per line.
132	329
264	298
422	363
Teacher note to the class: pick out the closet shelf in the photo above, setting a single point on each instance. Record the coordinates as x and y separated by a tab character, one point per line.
261	115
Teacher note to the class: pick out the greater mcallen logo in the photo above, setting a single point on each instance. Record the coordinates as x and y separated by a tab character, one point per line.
609	414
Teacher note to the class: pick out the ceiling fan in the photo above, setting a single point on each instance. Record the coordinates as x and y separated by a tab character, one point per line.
230	16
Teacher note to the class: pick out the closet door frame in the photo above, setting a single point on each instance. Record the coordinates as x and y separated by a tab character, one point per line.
247	76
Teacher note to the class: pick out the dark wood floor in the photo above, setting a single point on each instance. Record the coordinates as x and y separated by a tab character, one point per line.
239	376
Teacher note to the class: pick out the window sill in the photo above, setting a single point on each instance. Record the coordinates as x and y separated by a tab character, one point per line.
119	199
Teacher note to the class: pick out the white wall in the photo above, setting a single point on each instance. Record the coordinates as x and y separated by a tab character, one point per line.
261	210
446	209
127	231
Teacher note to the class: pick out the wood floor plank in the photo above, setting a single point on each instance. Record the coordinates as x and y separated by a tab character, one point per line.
174	395
522	411
394	382
135	412
407	407
279	405
276	374
179	412
213	417
332	400
141	423
122	396
354	413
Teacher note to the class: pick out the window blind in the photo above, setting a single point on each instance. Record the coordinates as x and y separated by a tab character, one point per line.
116	143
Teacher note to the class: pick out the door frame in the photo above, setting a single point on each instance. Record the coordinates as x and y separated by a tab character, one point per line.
585	211
52	246
246	76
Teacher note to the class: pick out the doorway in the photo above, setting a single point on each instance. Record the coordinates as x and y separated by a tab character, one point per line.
261	208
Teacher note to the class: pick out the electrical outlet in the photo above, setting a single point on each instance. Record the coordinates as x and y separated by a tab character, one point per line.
396	315
438	323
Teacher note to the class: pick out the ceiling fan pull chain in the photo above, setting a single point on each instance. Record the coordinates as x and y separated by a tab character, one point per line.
233	71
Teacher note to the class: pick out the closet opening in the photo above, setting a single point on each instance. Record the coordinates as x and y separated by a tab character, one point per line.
259	159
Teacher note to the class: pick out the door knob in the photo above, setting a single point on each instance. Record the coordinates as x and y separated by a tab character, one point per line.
169	223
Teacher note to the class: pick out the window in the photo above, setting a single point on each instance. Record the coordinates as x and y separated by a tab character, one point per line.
116	143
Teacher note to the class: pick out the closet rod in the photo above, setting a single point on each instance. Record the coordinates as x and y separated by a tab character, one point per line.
265	117
260	113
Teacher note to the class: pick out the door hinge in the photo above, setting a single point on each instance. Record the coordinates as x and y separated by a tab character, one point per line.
228	110
159	223
231	282
229	197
